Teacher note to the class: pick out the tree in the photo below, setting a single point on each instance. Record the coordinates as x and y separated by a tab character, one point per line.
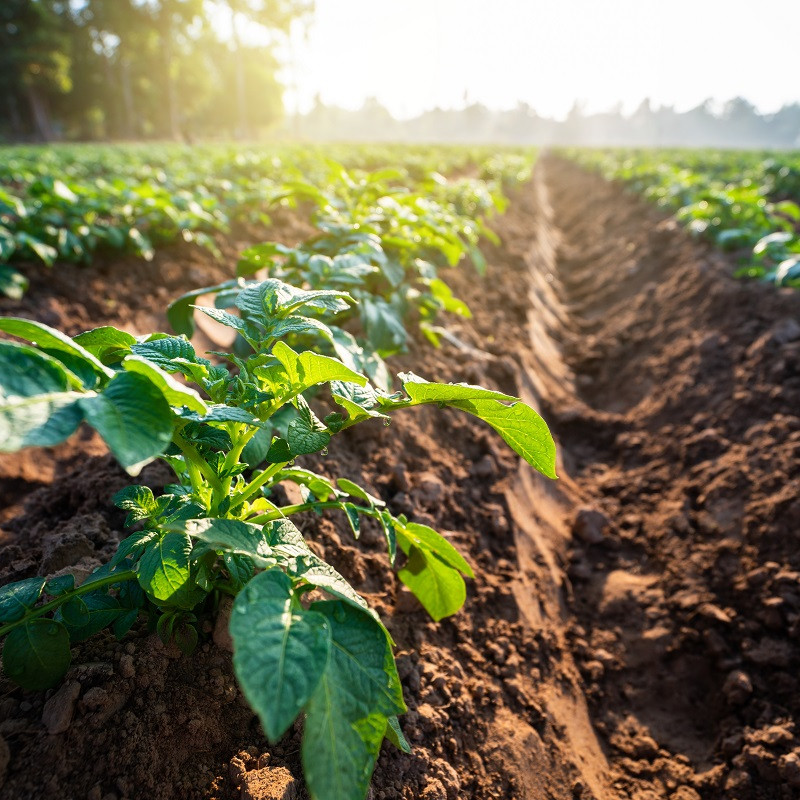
34	62
273	18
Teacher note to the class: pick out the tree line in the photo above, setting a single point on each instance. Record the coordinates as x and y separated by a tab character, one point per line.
734	124
133	69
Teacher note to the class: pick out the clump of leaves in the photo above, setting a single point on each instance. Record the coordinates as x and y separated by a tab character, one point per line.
304	639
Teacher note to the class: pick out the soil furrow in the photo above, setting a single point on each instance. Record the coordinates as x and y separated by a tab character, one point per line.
684	562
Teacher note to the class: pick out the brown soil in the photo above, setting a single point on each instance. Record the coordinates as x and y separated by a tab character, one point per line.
633	629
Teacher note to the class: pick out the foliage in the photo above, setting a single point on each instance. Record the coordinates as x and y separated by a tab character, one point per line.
304	639
67	203
744	202
127	69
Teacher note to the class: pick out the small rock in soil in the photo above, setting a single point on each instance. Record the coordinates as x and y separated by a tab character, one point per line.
785	331
430	489
64	550
222	636
95	698
269	784
590	525
126	667
788	766
684	793
58	710
737	687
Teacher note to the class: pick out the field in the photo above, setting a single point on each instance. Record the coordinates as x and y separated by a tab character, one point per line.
629	630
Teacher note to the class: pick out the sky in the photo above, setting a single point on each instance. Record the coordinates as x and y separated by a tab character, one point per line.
414	55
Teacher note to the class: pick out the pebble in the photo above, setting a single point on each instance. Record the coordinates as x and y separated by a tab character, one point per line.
126	667
59	709
590	525
737	687
222	635
789	768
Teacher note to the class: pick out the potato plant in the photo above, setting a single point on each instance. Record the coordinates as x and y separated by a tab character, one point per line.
305	641
68	202
741	201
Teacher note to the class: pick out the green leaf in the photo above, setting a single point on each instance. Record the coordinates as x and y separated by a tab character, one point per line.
385	330
279	452
132	545
436	585
303	437
176	394
395	735
299	324
55	342
75	612
256	450
518	424
138	501
166	351
280	650
134	419
272	297
107	344
309	369
300	561
164	568
37	404
100	611
45	252
427	538
17	598
259	256
13	284
232	536
354	490
59	585
230	321
442	292
346	716
36	656
318	485
180	313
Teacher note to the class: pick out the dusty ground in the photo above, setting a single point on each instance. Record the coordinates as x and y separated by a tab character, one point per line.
632	632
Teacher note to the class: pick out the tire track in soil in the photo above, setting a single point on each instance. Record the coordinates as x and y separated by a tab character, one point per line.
593	300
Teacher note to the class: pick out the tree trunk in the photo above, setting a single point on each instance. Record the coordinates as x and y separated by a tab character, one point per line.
14	117
242	126
131	128
168	54
40	113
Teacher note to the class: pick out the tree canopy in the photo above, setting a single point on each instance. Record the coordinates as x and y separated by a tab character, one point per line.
129	69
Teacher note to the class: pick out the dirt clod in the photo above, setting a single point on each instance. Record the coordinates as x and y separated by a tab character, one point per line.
269	783
590	525
60	708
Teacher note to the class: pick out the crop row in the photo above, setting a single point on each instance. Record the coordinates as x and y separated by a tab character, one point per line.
67	203
744	202
307	365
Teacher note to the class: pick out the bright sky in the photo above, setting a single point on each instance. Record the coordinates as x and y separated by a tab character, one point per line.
416	54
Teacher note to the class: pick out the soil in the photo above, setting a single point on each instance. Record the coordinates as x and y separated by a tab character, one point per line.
633	630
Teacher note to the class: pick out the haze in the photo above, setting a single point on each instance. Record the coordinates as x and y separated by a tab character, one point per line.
414	55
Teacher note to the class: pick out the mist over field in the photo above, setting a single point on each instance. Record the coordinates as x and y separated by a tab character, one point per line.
533	73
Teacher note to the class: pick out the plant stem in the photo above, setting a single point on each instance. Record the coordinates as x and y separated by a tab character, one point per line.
91	586
191	455
298	508
251	488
